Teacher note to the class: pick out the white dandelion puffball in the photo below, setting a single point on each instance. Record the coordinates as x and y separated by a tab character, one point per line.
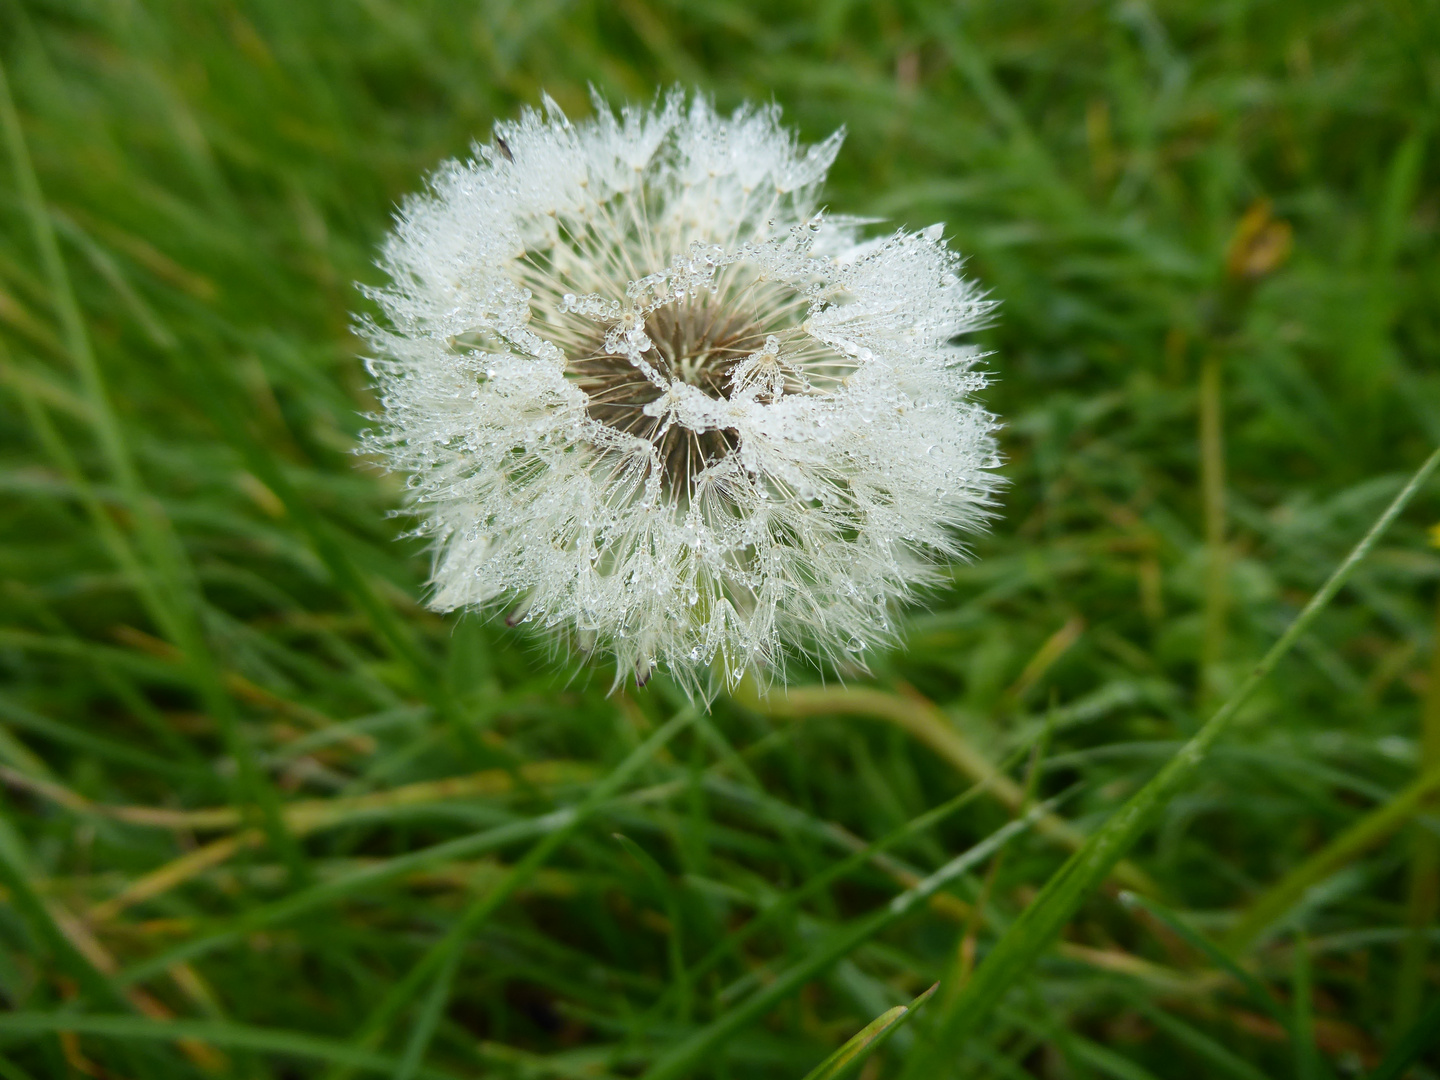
649	397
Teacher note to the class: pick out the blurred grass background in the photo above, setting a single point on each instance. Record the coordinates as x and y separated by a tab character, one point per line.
252	786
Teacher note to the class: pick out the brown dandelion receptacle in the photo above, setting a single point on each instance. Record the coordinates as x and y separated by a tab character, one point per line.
721	342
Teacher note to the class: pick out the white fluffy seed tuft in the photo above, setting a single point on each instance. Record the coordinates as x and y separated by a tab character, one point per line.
650	398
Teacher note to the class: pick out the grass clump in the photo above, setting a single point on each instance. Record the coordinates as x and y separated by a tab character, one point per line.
265	816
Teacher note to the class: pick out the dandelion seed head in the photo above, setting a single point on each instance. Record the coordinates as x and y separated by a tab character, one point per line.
651	398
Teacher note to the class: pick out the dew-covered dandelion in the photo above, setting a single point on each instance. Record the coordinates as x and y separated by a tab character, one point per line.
651	398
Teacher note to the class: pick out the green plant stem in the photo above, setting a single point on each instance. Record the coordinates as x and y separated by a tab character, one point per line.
1042	921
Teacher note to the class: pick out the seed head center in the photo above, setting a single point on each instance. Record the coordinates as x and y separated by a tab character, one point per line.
696	341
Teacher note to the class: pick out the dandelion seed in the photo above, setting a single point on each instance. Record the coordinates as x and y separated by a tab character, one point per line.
651	398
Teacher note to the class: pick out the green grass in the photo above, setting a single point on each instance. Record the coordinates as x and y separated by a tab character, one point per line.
262	815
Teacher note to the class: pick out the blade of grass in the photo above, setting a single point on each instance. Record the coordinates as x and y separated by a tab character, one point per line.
77	949
19	878
302	818
1423	1034
1422	901
175	873
680	980
1078	1053
791	900
261	916
1370	830
1107	1061
114	540
450	946
431	1010
1257	990
176	604
117	681
964	961
1217	562
868	1040
20	761
1041	922
308	815
1198	1042
929	725
67	308
331	551
14	713
678	1061
1302	1021
220	1033
262	461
